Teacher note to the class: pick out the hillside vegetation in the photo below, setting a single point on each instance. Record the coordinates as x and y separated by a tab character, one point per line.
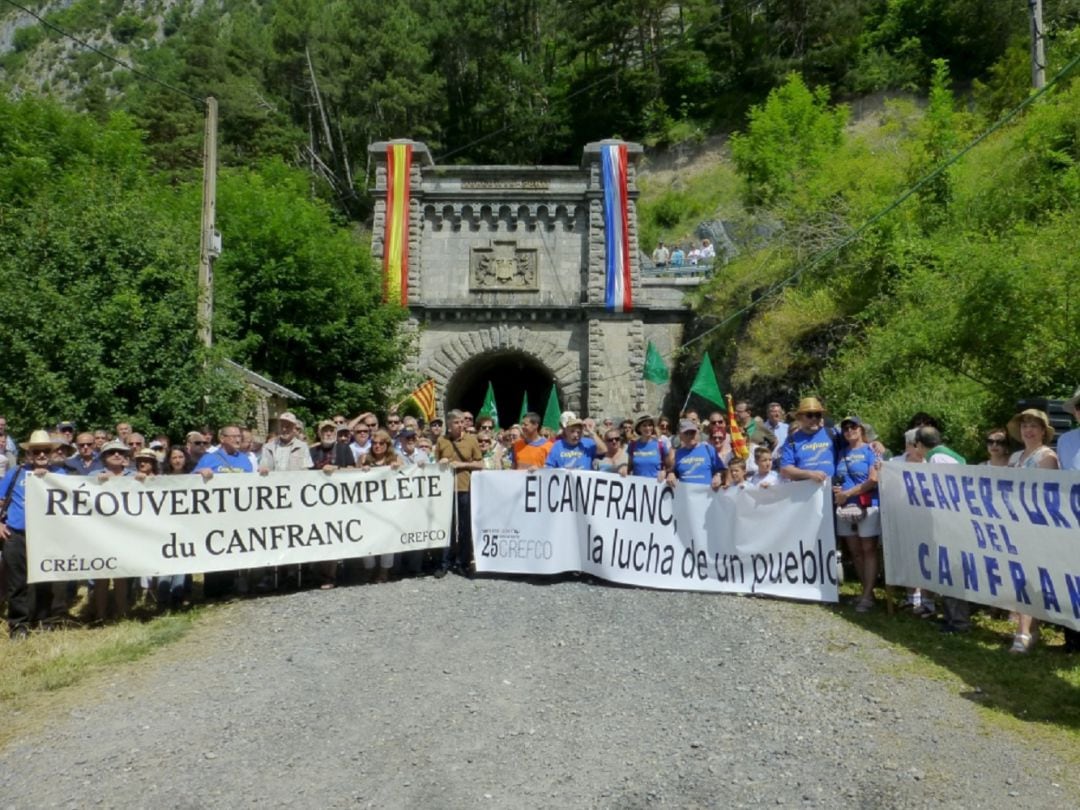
958	301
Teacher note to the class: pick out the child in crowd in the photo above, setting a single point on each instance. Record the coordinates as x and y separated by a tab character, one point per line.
737	473
765	476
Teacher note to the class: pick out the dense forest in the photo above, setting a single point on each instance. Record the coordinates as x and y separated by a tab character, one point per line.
959	298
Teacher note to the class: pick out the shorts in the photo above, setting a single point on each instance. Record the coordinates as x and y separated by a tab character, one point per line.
869	526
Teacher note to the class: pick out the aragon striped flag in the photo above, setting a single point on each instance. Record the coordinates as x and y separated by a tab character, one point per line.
424	396
738	440
396	235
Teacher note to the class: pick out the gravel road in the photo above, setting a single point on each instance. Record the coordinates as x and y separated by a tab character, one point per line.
498	693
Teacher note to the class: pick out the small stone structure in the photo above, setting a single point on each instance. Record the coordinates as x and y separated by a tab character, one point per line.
506	284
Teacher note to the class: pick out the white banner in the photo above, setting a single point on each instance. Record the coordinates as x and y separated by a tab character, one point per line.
635	531
992	535
78	528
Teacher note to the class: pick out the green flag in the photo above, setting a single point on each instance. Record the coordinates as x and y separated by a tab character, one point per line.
552	413
655	371
705	385
524	408
488	408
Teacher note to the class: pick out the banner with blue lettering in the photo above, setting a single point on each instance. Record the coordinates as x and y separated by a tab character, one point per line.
997	536
79	528
777	541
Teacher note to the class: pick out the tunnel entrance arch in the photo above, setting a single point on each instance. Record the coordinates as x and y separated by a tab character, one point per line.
516	360
513	375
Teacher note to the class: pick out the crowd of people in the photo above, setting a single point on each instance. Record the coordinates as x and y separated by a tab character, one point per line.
689	255
766	451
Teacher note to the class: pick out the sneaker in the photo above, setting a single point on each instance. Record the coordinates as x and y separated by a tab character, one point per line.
440	573
1022	643
20	632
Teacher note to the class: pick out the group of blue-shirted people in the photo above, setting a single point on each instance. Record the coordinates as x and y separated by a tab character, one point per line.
802	445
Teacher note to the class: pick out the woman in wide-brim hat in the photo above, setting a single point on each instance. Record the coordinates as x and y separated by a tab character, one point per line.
1031	428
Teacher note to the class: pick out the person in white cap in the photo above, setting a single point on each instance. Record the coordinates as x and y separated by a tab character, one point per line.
287	451
25	603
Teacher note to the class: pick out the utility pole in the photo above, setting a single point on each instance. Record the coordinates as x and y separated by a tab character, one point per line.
1038	57
209	241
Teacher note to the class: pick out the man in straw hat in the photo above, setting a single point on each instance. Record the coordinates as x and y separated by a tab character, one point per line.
24	603
809	453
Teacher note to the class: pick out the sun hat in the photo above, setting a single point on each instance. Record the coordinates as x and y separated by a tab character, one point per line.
40	438
688	426
809	404
852	420
115	444
645	417
146	453
566	417
573	421
1031	413
289	416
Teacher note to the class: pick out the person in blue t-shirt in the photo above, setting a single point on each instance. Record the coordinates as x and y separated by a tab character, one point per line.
574	451
227	458
858	522
695	463
809	454
39	450
648	454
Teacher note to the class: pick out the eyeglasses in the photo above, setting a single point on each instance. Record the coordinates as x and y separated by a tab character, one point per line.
39	451
84	444
372	425
813	414
1001	442
362	430
612	439
393	421
230	435
112	452
716	421
200	444
378	443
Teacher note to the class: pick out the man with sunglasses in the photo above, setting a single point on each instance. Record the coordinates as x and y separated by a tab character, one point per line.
195	444
86	460
25	603
809	453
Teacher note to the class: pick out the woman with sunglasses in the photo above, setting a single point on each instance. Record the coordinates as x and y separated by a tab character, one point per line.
997	448
614	459
858	520
382	454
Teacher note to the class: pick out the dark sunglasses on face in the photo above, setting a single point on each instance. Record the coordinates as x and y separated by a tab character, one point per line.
1001	442
84	444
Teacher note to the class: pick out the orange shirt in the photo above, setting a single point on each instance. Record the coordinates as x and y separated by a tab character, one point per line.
531	455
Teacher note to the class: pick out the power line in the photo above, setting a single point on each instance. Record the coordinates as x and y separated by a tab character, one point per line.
102	53
873	220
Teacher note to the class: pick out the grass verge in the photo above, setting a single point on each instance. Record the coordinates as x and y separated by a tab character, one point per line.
36	675
1040	688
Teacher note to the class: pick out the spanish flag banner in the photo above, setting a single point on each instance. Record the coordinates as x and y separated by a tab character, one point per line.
424	396
396	240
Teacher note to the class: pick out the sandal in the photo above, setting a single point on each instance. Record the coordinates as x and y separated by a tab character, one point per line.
1021	643
864	605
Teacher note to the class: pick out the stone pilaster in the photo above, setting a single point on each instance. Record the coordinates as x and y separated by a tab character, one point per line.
599	369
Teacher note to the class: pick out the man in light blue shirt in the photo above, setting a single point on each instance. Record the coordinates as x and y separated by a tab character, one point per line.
1068	444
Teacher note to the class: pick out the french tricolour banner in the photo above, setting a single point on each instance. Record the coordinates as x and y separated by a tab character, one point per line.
997	536
78	528
616	228
396	236
635	531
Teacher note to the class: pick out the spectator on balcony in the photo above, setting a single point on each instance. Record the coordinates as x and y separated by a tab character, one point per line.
678	257
660	256
708	252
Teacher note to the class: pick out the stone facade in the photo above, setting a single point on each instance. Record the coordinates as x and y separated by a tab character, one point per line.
506	277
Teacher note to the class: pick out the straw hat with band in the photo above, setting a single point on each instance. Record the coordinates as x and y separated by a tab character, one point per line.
40	439
810	405
1037	415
